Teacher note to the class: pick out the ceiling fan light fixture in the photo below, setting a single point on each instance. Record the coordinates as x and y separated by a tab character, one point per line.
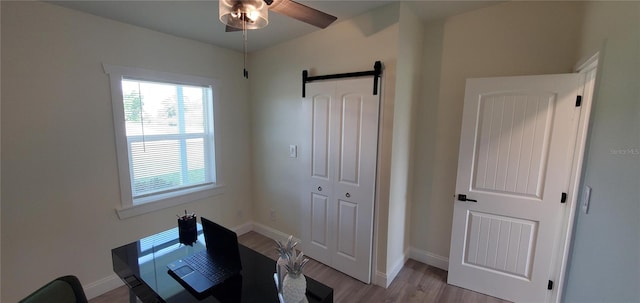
249	14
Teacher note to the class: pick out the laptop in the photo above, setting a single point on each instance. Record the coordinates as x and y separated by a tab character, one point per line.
206	269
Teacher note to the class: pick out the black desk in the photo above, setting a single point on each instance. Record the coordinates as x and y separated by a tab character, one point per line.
142	265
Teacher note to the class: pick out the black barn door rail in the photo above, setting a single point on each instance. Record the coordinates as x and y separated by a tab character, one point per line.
376	72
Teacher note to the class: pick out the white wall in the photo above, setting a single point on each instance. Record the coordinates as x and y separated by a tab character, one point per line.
605	262
426	112
408	76
59	177
276	88
514	38
0	161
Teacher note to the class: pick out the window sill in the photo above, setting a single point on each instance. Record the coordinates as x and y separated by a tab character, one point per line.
169	201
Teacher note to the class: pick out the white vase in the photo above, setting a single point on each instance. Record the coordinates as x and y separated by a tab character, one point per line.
280	272
294	288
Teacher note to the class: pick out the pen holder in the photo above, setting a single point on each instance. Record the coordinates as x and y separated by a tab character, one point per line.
187	230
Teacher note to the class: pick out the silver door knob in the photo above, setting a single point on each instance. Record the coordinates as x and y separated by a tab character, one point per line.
319	188
348	195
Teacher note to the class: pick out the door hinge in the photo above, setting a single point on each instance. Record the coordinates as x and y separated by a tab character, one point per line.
550	285
563	199
578	101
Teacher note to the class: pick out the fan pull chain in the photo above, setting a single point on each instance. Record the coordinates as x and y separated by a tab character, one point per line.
245	73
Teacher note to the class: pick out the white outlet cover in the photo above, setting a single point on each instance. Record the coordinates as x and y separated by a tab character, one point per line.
293	151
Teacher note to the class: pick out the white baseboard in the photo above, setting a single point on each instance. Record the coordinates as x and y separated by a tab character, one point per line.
384	280
380	279
243	229
429	258
102	286
271	233
396	268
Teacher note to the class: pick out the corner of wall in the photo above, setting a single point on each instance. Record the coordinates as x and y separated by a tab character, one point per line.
393	271
425	137
429	258
407	91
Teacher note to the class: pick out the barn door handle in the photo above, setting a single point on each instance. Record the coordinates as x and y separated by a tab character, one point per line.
464	198
319	188
348	195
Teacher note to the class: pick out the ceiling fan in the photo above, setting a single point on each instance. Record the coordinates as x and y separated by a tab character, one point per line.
253	14
242	15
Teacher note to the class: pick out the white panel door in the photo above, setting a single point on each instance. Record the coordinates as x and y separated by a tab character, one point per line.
517	141
354	183
317	207
338	215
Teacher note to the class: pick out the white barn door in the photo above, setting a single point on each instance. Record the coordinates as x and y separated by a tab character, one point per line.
516	146
340	159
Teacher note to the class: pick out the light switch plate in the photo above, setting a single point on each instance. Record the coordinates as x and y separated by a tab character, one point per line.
293	151
586	199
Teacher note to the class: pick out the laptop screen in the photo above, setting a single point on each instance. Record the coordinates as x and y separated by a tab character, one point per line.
222	244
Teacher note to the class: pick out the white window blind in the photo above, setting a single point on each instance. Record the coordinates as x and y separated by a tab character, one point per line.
169	130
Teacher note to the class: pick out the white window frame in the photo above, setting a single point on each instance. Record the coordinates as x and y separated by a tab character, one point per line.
130	207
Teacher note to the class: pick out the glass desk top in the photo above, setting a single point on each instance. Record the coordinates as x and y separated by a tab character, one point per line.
142	265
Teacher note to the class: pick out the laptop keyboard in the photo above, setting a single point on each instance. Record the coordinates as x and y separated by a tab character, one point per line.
204	264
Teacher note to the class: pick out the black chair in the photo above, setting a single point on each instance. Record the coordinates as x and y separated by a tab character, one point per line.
65	289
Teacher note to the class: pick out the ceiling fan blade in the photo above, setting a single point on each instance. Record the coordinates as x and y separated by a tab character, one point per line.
302	12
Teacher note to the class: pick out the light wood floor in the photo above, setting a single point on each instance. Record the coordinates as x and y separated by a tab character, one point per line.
416	282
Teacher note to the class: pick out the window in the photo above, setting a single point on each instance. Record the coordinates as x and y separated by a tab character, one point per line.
169	137
165	139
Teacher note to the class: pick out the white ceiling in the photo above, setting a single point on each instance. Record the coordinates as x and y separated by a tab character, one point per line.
198	20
